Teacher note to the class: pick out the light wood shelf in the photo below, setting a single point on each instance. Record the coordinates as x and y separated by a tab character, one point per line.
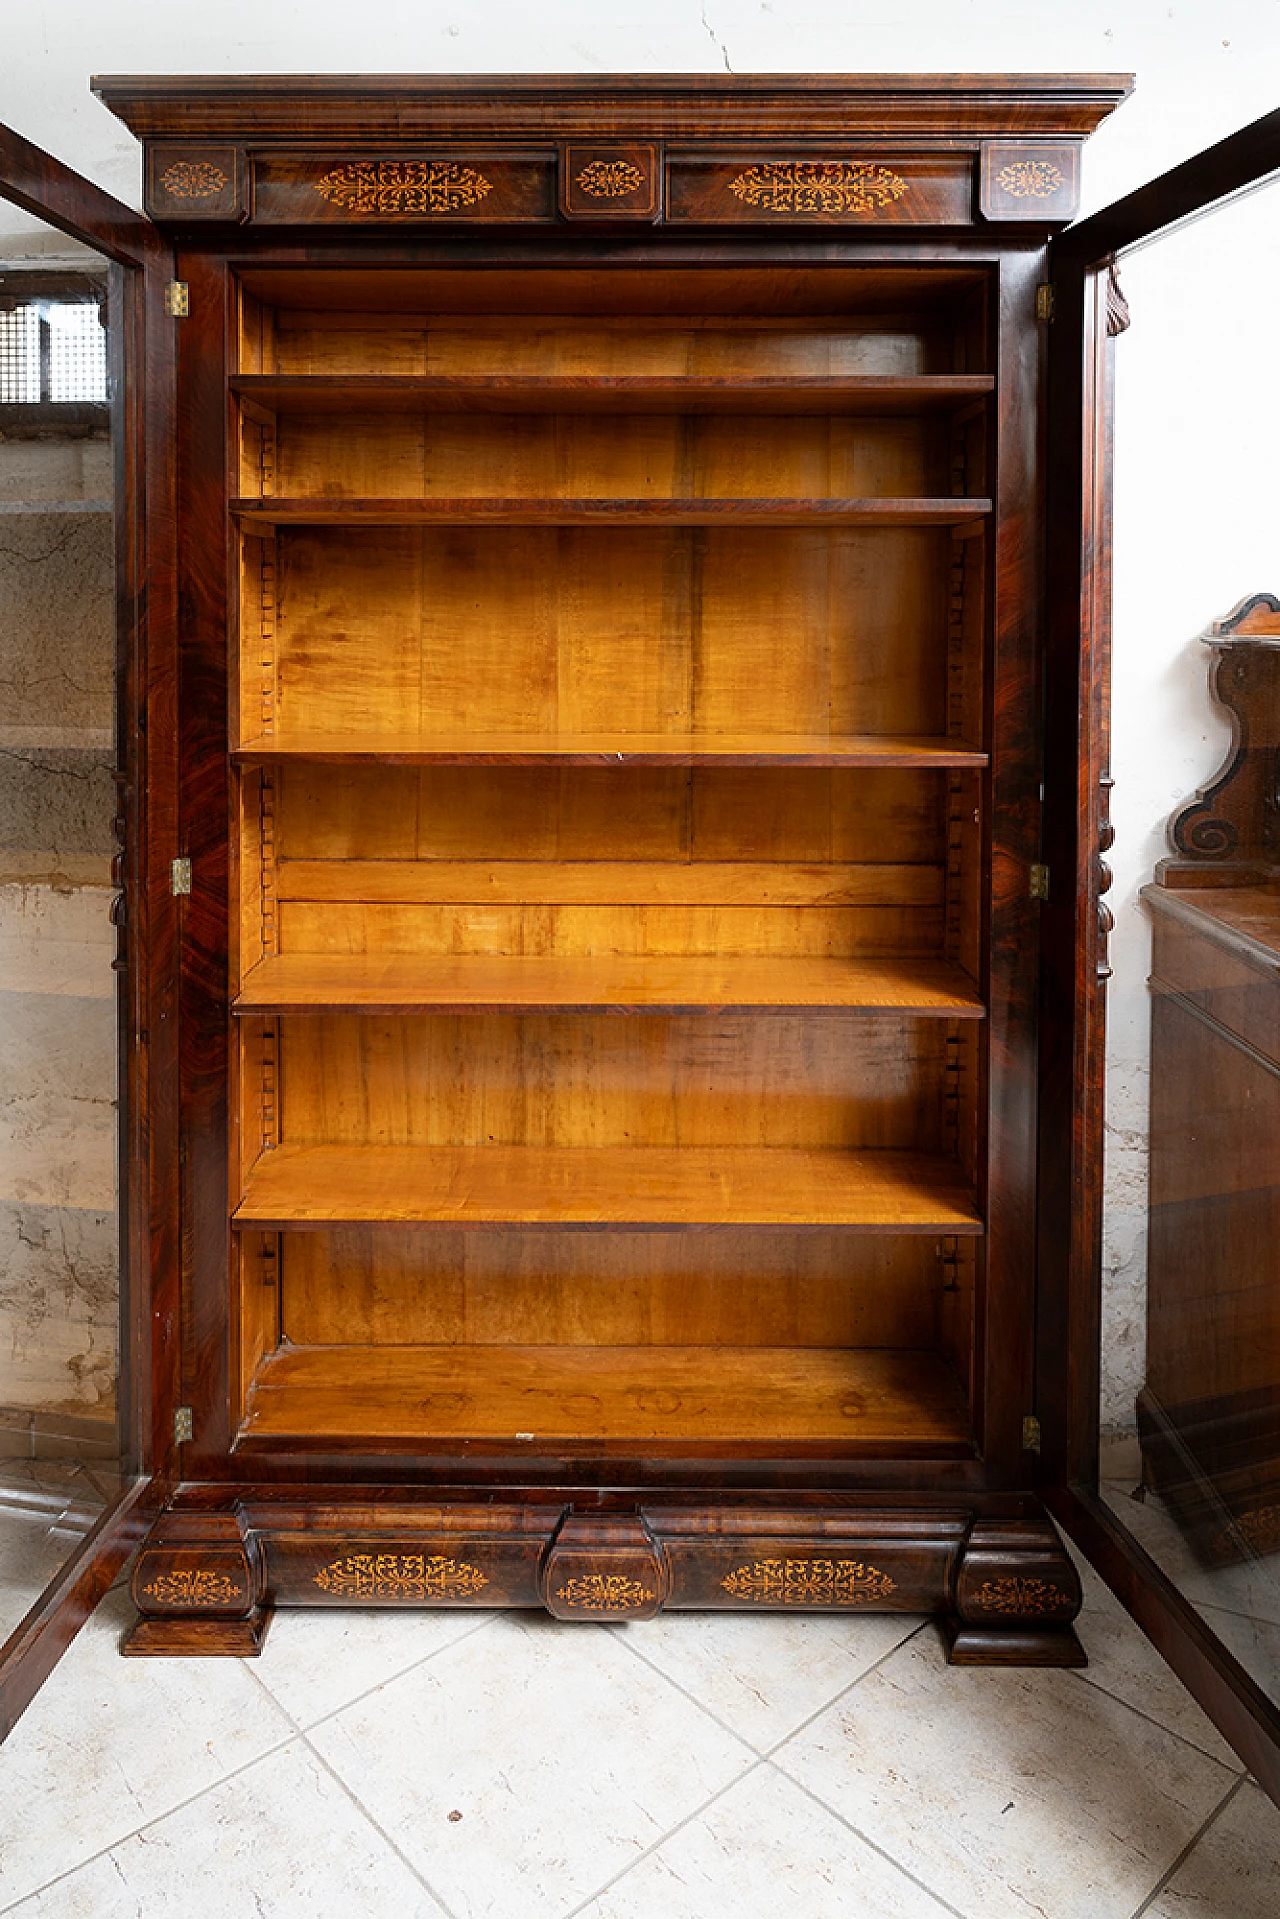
613	749
534	1395
526	510
611	393
584	1187
444	983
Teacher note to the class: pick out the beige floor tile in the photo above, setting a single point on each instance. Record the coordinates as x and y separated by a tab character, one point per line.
565	1757
317	1659
1123	1662
764	1851
110	1744
279	1841
1234	1872
1008	1791
764	1676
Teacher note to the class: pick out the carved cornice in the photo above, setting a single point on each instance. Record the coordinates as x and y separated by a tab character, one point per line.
400	107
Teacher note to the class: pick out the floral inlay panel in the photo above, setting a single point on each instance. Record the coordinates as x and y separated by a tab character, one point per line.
818	186
369	188
809	1582
406	1576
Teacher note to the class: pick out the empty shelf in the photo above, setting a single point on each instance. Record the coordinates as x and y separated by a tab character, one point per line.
612	749
532	1395
446	983
610	393
580	1187
664	511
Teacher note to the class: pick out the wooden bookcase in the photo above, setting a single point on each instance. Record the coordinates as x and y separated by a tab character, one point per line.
610	534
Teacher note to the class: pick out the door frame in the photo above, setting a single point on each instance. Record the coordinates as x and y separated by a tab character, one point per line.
1088	315
141	346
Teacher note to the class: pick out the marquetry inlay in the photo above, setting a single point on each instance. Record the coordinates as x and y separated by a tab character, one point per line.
400	1576
1017	1595
189	1586
609	179
809	1582
193	180
604	1592
818	186
368	188
1030	179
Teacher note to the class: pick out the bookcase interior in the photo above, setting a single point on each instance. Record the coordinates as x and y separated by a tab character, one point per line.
608	926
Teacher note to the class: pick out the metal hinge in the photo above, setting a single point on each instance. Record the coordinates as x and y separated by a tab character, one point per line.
1030	1434
180	877
183	1427
1039	887
177	299
1045	300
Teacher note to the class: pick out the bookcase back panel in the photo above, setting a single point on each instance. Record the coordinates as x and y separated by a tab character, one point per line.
545	860
536	630
805	1081
390	1287
693	815
596	456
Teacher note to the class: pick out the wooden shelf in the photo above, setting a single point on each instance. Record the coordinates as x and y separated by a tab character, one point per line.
573	1188
432	983
663	511
611	393
535	1395
613	749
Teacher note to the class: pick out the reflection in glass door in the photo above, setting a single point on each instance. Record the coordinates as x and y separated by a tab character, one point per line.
59	1258
1190	1410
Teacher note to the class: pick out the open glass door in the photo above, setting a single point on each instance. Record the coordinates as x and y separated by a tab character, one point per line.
83	622
1159	1301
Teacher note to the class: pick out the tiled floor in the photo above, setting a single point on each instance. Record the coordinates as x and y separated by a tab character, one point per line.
415	1764
46	1508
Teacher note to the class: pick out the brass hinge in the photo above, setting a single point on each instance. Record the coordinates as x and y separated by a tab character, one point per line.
1045	300
1030	1434
177	299
1039	887
180	878
183	1427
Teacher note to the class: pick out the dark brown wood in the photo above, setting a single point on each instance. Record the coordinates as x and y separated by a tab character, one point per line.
1234	1701
38	1642
789	213
394	107
615	393
1090	313
1235	164
1024	180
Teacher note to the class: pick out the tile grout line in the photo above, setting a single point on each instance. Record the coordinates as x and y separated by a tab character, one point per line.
761	1759
844	1692
357	1698
1119	1700
381	1830
765	1752
157	1819
599	1891
871	1844
1190	1846
345	1789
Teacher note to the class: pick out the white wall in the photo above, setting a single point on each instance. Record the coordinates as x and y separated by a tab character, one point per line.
1203	69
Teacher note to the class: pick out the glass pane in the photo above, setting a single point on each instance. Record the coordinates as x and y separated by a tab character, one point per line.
1191	1239
59	1266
